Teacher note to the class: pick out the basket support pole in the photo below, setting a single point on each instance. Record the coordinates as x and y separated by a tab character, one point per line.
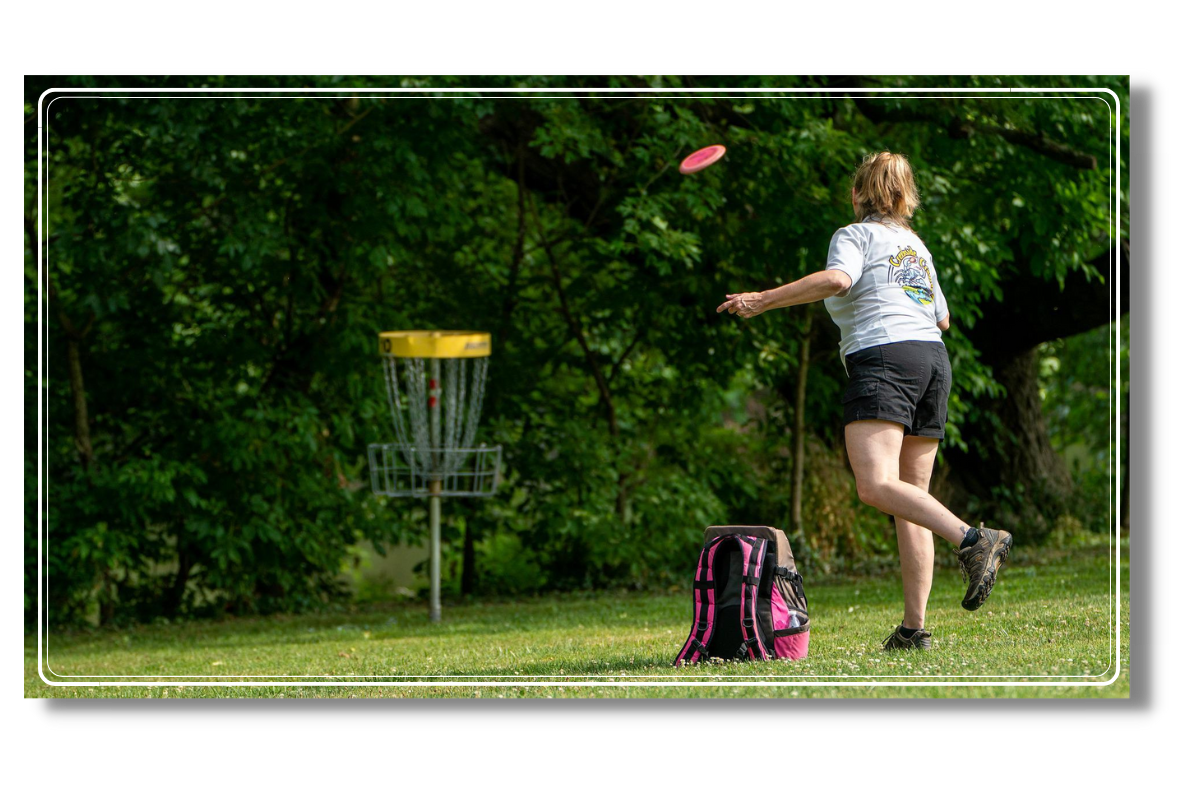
435	551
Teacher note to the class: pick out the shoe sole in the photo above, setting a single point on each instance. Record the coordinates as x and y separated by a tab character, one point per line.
908	644
989	581
911	647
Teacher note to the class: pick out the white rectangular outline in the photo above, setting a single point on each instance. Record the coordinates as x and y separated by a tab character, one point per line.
776	93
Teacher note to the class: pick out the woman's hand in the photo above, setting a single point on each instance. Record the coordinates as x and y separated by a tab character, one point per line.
745	305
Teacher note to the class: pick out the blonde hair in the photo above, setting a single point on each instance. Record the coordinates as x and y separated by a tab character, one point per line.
885	187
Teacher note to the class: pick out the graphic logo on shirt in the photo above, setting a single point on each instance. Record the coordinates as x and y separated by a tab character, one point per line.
910	272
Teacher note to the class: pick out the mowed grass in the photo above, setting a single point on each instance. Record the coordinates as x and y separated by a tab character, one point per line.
1048	619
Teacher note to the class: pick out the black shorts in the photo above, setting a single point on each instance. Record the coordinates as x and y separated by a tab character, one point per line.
905	382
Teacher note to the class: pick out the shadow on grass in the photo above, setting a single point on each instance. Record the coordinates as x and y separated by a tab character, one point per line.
563	668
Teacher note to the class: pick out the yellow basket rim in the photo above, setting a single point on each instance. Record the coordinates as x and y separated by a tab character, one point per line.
435	344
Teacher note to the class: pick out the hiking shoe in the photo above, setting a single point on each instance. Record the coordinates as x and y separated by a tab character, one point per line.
980	562
920	640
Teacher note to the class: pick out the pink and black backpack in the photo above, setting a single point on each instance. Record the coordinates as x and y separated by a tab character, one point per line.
748	597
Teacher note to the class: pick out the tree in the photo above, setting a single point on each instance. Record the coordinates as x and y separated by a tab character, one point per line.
219	269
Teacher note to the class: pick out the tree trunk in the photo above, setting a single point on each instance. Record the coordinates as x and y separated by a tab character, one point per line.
1123	436
108	606
799	429
1029	455
1010	469
173	599
467	581
607	401
83	436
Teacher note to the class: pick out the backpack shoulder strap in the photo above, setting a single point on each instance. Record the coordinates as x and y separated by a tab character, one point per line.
755	551
704	588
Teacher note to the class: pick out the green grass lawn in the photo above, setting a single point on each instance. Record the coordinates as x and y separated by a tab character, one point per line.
1049	618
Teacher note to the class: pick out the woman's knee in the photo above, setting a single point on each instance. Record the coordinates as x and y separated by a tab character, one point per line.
870	492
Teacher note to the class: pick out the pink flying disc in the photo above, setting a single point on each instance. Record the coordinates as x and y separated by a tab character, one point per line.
704	157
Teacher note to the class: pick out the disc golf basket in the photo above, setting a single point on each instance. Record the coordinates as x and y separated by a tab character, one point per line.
435	382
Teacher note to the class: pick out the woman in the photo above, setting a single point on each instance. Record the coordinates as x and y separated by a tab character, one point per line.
880	287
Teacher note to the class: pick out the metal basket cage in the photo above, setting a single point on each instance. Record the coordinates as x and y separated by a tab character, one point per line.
404	471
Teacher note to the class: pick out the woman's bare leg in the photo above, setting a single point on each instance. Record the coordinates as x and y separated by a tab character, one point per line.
874	447
917	457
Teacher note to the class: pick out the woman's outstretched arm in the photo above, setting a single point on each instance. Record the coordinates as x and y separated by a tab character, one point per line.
808	289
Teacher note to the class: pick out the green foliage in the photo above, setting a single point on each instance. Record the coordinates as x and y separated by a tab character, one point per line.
225	264
507	567
1077	395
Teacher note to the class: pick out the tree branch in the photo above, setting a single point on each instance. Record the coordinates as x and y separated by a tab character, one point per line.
959	128
1005	329
573	324
637	337
518	255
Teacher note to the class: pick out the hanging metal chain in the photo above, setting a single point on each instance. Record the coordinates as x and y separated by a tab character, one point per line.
454	408
418	413
453	415
395	400
456	395
476	405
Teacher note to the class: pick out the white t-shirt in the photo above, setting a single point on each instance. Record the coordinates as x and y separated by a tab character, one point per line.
894	293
